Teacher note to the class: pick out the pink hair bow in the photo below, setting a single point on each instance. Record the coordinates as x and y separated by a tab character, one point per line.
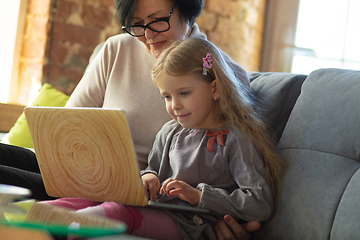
207	63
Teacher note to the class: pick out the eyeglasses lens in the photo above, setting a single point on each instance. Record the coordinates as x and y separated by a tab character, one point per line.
156	26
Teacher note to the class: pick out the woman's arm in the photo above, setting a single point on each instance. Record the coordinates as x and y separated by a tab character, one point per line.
228	229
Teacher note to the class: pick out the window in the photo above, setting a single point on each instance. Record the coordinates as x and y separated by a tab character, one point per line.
312	34
12	20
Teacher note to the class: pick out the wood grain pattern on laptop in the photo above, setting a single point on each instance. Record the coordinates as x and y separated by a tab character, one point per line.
76	137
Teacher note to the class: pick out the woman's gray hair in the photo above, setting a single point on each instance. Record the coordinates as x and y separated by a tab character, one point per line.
189	10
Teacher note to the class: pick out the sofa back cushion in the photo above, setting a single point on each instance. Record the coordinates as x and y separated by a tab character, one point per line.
321	147
276	94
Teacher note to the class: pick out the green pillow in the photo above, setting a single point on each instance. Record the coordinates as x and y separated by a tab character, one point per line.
19	134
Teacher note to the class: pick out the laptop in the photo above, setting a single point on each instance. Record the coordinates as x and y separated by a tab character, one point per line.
89	153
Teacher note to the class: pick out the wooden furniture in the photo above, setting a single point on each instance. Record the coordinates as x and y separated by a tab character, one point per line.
9	113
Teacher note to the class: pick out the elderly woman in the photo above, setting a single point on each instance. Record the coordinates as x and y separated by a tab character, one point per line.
120	77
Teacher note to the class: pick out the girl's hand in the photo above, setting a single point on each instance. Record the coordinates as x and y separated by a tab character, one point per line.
182	190
151	184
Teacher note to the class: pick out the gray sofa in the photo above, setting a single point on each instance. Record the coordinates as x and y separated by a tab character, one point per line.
316	121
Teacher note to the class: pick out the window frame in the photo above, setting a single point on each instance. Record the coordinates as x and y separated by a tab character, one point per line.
14	81
279	37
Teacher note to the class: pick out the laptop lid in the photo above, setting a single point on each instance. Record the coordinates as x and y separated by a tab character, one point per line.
86	153
89	153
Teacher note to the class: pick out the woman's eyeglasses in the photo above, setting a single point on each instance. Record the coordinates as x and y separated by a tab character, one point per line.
159	25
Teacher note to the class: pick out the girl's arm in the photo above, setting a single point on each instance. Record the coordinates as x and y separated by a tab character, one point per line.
159	153
151	184
158	157
149	176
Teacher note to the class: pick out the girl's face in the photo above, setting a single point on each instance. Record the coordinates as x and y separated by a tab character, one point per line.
146	11
189	100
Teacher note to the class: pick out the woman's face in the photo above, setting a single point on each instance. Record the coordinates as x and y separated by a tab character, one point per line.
147	11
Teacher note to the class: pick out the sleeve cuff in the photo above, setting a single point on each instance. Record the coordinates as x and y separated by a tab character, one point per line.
202	188
143	172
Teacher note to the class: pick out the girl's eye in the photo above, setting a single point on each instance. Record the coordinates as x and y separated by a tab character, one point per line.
167	97
185	93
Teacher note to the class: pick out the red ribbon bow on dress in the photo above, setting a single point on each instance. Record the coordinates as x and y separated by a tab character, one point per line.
219	138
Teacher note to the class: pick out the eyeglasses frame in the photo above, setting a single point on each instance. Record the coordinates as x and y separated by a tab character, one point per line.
165	19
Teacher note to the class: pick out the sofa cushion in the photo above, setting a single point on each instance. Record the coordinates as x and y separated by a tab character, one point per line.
348	211
19	134
276	94
321	147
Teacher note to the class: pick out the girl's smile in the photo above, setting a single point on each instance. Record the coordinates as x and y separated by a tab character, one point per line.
183	116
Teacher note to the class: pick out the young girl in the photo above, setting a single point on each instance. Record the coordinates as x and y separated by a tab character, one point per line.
215	154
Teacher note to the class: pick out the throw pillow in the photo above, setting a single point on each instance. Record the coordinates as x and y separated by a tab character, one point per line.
19	134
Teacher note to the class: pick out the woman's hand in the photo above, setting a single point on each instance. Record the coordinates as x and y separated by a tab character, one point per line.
182	190
229	229
151	184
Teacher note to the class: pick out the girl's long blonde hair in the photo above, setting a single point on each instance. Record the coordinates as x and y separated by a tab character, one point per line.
235	105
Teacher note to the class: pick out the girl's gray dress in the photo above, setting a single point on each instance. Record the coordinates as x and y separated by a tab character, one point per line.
224	164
